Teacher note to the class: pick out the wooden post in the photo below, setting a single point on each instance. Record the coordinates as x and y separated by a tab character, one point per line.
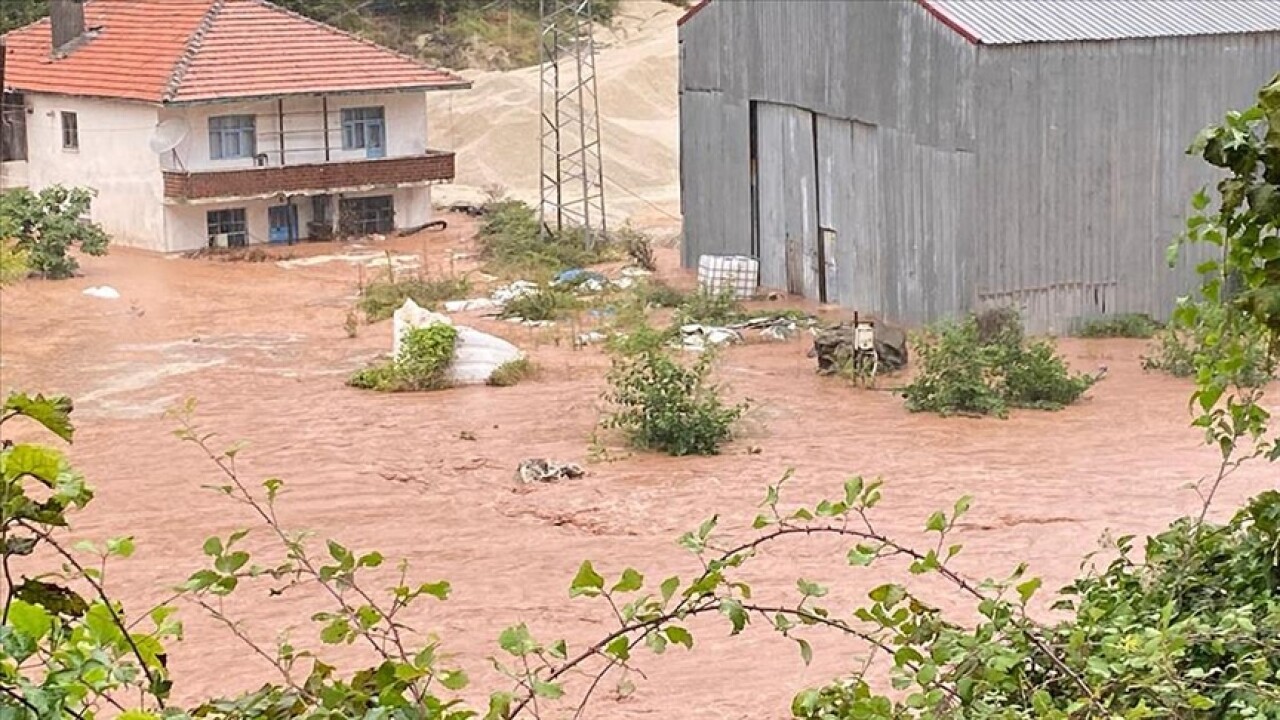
324	112
280	126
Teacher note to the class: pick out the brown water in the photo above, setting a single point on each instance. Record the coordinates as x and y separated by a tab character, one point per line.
264	350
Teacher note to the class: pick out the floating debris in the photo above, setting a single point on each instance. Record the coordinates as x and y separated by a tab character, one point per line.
539	470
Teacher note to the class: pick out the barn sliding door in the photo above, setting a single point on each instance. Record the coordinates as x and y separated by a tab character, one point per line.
848	203
787	199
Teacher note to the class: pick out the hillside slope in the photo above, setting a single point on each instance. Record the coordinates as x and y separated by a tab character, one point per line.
494	127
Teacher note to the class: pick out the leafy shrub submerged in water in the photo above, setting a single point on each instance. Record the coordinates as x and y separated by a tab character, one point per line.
984	366
546	303
1124	325
511	243
14	263
426	354
512	372
707	308
380	299
663	404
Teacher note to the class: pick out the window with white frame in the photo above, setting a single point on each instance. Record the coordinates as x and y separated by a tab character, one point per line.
231	136
227	228
364	129
70	131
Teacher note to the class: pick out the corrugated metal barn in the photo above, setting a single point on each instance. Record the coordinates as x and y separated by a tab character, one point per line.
919	158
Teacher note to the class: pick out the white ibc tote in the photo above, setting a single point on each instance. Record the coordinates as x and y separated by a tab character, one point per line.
724	273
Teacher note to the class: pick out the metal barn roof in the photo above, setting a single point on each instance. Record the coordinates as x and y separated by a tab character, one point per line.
1010	22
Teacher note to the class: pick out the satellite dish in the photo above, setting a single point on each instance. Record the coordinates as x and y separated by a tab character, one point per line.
169	134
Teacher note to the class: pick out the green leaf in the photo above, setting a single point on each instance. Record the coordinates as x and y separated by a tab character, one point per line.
862	556
806	651
669	587
962	506
809	589
937	522
136	715
852	491
517	640
273	486
43	463
551	691
657	643
32	621
630	582
587	582
559	650
335	632
1028	588
620	648
213	546
680	636
499	706
370	560
737	615
927	674
54	413
888	594
438	590
454	679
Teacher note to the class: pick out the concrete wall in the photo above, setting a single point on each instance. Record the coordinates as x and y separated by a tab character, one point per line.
406	129
113	158
1084	171
187	225
883	94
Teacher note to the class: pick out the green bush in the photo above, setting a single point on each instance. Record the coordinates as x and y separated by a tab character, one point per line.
547	303
46	225
14	263
657	293
665	405
1124	325
984	366
512	372
380	299
512	245
706	308
426	354
638	246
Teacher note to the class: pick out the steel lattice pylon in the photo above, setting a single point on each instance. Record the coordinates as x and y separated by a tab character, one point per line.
571	166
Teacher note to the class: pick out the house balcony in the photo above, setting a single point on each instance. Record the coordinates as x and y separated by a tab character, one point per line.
430	167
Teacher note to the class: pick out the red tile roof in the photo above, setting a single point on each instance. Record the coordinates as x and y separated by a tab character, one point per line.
175	51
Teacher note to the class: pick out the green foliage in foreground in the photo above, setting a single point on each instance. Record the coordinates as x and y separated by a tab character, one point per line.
14	263
47	225
1176	348
661	403
423	363
1124	325
969	368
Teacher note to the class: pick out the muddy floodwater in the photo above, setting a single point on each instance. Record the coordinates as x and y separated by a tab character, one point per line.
430	477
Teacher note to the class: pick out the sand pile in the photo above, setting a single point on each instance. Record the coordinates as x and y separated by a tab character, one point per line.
494	127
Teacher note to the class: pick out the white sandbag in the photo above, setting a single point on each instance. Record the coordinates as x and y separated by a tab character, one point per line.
455	306
477	355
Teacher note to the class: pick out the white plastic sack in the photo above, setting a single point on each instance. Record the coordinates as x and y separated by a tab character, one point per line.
455	306
105	292
478	355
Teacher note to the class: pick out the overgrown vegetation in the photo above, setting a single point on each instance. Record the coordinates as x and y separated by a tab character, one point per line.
656	293
1175	348
512	245
638	246
984	365
1123	325
381	298
707	308
663	404
512	372
47	225
547	303
426	353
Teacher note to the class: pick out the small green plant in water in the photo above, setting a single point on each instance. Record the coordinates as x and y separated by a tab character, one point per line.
1124	325
512	372
706	308
663	404
380	299
545	304
426	353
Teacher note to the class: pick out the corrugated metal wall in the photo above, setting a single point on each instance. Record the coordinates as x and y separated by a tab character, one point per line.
1052	176
892	121
1082	160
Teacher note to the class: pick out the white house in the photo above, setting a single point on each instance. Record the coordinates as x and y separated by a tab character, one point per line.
219	122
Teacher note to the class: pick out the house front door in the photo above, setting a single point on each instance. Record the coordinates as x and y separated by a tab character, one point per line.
282	223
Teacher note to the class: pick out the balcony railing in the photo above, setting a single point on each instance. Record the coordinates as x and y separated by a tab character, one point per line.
432	166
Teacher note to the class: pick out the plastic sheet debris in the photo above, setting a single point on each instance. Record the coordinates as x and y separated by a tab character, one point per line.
699	337
104	292
507	293
456	306
584	280
590	338
777	328
539	470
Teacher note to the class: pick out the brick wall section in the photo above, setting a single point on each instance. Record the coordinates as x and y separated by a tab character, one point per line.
297	178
